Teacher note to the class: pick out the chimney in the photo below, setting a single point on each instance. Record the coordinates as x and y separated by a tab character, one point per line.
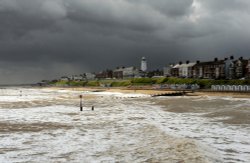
180	63
215	59
231	57
197	62
187	62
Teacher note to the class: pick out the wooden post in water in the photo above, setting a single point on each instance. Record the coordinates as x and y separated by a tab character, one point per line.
80	102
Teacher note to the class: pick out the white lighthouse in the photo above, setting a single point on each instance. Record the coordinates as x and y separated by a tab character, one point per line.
143	64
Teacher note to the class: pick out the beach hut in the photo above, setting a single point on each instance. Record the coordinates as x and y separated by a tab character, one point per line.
248	87
237	88
234	88
231	87
245	88
227	88
241	88
217	87
223	87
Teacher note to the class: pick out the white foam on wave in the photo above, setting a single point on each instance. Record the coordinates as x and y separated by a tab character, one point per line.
118	94
231	142
109	134
228	98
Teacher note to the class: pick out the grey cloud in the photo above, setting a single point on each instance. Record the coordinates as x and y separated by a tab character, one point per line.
42	38
169	8
226	5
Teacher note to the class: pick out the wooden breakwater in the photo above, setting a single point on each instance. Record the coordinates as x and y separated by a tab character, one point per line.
176	93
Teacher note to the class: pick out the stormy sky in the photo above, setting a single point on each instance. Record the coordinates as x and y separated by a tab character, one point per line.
45	39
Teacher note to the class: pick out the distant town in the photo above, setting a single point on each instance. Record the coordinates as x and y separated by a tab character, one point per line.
227	68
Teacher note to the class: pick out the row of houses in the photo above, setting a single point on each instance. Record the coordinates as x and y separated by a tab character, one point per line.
228	68
82	77
118	73
121	73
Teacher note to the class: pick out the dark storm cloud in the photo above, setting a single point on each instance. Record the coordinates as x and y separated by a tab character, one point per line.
49	38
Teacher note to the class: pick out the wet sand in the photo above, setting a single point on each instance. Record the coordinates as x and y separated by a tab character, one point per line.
222	109
221	94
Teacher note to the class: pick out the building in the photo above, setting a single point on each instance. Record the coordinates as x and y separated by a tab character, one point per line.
240	68
229	67
118	73
183	70
89	76
144	64
209	70
186	70
175	70
65	78
167	70
77	78
125	72
106	74
155	73
221	69
130	72
247	75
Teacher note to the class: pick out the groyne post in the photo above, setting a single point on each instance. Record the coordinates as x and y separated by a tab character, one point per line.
80	102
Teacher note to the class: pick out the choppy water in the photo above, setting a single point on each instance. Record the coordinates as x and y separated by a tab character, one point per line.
45	125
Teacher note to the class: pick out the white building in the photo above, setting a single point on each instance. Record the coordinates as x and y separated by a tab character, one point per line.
167	70
125	72
89	76
76	78
228	67
130	72
65	78
144	64
184	69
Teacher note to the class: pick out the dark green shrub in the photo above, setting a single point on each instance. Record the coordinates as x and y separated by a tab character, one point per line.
93	84
77	83
142	81
160	80
120	83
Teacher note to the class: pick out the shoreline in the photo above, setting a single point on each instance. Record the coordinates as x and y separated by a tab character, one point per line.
150	91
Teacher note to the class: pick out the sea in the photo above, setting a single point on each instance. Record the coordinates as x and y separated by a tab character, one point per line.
47	125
